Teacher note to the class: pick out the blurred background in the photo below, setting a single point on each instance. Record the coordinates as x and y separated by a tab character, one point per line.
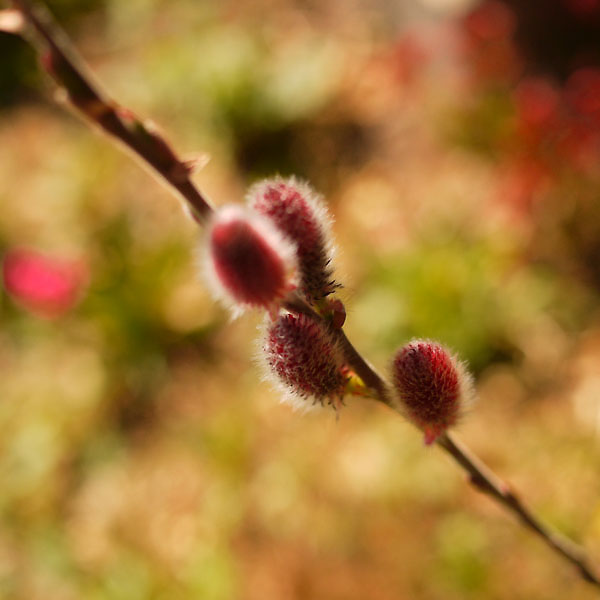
457	144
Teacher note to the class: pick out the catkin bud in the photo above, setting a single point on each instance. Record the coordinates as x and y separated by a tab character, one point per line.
434	388
296	210
248	261
305	360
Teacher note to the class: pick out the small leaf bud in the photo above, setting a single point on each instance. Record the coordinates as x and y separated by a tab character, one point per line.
434	388
305	360
333	310
248	262
297	211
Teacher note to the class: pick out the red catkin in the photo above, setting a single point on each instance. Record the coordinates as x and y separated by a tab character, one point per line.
432	385
249	263
305	360
296	210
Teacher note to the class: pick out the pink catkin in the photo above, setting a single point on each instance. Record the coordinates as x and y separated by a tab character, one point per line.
296	211
433	387
305	359
249	262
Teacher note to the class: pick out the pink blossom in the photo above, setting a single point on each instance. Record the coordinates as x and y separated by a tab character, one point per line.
47	286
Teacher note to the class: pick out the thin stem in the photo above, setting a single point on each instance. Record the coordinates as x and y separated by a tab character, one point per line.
370	377
480	475
487	481
61	60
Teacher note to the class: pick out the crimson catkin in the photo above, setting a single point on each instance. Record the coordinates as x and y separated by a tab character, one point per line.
296	210
433	387
248	261
305	360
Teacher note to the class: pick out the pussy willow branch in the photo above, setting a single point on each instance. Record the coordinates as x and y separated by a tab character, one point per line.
480	476
62	61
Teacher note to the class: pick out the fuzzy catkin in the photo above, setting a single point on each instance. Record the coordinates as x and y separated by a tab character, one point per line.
433	387
248	262
296	210
305	360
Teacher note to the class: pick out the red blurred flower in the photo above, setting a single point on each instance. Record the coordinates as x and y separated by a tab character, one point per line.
522	181
537	103
583	8
47	286
488	45
490	21
408	58
583	93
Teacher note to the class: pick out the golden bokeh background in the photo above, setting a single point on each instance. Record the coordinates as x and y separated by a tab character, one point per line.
141	455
